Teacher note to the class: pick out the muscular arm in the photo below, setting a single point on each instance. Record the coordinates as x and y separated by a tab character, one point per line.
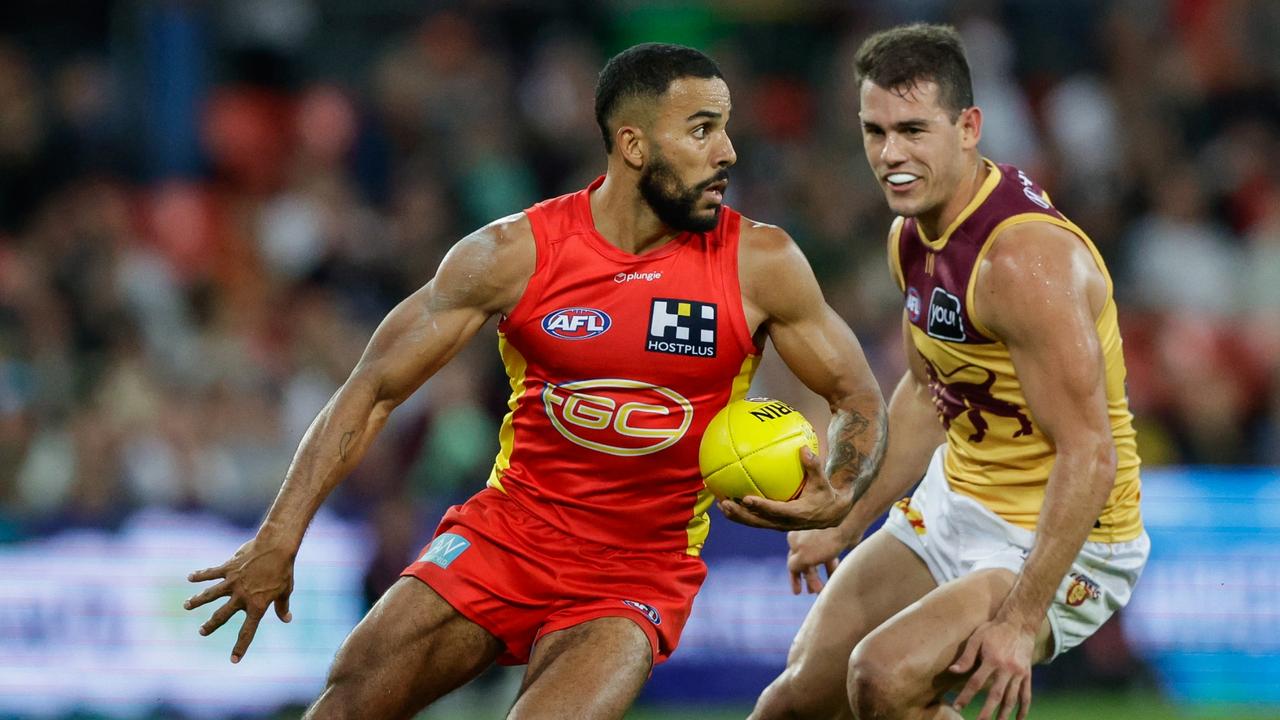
484	274
914	433
1040	291
781	294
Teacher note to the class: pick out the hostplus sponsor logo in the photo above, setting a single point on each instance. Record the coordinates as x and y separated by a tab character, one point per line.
682	327
623	277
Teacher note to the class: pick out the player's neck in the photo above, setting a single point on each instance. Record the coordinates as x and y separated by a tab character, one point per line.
935	223
625	220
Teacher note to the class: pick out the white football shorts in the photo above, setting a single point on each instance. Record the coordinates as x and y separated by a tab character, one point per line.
956	535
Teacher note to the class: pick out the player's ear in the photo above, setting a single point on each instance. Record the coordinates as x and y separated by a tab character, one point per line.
970	122
632	145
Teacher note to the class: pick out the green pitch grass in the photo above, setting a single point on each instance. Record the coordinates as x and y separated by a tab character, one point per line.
1058	706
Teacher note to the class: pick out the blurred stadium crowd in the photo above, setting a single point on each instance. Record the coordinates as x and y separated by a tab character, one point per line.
205	208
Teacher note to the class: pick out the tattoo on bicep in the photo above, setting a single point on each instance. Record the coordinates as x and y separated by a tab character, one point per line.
344	445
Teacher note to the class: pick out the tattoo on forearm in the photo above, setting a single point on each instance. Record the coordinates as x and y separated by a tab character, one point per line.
344	445
857	448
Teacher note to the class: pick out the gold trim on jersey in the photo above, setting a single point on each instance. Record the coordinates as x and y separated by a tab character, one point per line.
699	525
895	255
988	185
516	367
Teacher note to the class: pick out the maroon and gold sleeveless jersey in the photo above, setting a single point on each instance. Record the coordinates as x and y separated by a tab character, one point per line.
617	362
996	453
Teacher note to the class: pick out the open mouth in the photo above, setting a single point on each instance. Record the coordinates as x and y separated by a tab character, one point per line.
716	190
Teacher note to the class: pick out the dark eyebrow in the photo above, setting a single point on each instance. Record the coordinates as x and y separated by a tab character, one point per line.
709	114
899	126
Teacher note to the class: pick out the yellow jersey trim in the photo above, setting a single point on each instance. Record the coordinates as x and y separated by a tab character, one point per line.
895	257
700	524
516	367
988	186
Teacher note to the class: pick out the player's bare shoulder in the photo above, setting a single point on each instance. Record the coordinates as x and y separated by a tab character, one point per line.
773	273
1035	263
490	267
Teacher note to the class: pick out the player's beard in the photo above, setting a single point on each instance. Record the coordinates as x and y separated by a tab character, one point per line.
672	201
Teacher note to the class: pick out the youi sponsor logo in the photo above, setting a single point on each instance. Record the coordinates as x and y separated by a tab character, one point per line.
946	322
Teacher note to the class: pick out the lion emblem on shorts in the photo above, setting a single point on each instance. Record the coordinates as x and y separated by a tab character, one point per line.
1081	589
971	399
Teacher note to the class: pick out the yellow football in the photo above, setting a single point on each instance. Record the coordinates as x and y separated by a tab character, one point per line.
752	447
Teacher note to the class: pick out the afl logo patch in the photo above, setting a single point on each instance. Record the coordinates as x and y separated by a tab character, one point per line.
576	323
648	611
913	304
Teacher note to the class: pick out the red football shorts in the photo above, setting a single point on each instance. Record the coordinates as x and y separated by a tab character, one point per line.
520	578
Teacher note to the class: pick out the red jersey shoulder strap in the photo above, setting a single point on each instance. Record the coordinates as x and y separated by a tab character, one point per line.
551	221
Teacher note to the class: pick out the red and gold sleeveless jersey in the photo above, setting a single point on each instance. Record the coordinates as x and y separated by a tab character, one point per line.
617	362
996	453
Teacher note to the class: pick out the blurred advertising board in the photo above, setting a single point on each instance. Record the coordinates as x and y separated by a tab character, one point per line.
1206	614
94	620
91	620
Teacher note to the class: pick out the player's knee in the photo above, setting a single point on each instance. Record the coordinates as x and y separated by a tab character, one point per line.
876	684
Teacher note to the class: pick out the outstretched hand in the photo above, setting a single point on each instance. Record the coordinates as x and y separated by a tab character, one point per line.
808	550
254	578
999	655
819	505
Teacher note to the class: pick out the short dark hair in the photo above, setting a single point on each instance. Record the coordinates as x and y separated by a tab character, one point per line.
645	70
900	57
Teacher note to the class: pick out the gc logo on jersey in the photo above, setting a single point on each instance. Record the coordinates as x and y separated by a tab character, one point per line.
682	327
616	416
945	321
576	323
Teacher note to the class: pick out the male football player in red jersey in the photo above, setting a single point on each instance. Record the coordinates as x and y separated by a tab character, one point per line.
631	312
1025	534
